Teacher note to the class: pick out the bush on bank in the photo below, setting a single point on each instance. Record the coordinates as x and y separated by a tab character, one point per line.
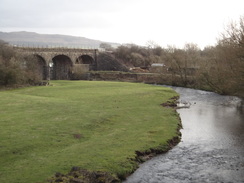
16	69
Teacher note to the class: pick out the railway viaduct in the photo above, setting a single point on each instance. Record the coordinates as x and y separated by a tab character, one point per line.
61	63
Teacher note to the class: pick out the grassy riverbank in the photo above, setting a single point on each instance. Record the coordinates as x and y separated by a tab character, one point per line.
94	125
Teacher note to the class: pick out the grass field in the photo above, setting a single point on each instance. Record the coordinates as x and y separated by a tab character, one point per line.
94	125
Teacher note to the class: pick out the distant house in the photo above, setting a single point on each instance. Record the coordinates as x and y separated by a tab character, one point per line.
158	67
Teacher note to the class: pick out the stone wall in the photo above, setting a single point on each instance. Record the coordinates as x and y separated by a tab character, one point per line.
149	78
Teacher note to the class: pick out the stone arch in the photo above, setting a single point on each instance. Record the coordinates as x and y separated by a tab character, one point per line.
85	59
60	67
41	66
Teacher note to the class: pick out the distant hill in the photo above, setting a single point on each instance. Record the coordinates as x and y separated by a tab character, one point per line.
32	39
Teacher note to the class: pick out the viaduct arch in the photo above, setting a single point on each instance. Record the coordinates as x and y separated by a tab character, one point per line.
62	63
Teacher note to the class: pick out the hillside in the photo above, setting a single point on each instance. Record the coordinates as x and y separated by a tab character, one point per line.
24	38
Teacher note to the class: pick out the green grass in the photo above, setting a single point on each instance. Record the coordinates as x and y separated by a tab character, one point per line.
94	125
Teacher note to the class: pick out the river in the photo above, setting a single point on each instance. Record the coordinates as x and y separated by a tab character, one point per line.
212	145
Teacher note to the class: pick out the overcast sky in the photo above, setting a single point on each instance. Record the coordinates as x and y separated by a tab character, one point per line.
166	22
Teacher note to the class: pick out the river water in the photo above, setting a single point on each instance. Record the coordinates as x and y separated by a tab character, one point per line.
212	145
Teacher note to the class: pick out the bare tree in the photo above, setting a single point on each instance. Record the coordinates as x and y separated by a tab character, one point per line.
15	68
224	71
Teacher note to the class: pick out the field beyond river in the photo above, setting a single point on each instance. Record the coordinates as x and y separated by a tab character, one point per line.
94	125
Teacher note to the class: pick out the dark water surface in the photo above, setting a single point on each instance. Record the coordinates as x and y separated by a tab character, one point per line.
212	147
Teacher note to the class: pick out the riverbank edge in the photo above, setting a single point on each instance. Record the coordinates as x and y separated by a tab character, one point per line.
79	175
144	156
155	78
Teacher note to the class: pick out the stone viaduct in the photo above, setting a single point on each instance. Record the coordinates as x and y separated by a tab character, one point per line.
61	63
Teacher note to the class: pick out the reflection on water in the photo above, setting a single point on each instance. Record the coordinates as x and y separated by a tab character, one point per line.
212	147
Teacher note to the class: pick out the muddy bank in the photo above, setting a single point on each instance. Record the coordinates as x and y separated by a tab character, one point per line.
79	175
146	155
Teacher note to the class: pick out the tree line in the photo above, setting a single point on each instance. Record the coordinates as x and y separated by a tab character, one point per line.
219	68
17	69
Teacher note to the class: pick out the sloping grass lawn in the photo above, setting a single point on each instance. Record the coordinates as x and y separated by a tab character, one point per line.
94	125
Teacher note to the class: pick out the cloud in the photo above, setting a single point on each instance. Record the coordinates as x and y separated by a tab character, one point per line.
163	21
